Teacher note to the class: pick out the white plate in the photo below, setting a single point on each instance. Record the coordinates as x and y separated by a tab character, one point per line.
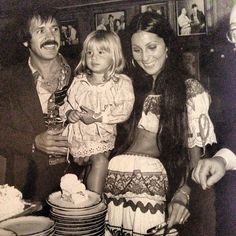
81	213
55	200
85	218
28	225
82	228
77	221
80	225
96	231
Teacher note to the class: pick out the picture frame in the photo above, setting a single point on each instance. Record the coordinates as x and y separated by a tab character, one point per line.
112	20
160	7
191	63
190	17
69	33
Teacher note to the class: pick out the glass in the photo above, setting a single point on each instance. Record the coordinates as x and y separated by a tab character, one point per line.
231	35
55	123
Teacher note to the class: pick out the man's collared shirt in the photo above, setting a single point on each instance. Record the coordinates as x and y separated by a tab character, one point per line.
47	96
229	157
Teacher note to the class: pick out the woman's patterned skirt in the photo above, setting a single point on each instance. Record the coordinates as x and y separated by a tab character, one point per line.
135	192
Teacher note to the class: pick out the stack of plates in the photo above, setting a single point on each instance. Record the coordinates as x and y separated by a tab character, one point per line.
29	225
86	219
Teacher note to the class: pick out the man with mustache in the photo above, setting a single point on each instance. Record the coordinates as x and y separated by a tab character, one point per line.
30	96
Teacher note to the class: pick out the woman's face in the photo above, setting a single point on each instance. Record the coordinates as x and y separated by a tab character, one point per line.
149	51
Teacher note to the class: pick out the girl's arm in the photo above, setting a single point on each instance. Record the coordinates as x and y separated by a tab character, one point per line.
120	110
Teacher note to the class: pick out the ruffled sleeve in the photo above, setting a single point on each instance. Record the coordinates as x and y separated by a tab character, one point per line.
70	99
201	130
121	107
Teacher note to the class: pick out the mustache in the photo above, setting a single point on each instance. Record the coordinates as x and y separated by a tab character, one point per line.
49	42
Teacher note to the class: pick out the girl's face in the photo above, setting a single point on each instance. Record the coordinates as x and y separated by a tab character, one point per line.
98	60
149	51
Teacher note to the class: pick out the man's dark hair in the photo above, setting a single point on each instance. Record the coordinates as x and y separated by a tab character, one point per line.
194	5
44	13
110	16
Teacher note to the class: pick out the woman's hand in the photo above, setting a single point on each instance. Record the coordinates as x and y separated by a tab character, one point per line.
177	209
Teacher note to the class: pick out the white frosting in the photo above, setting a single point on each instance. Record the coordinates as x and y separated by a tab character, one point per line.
73	189
11	202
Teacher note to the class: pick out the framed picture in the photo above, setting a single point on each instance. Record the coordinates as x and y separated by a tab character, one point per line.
69	33
114	21
160	7
191	63
191	17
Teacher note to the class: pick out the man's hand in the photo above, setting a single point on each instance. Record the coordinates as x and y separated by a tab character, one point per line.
52	142
209	171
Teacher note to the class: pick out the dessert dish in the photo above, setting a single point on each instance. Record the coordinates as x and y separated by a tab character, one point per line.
73	190
11	202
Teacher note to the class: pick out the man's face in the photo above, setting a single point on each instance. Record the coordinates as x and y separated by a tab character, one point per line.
111	19
45	40
194	9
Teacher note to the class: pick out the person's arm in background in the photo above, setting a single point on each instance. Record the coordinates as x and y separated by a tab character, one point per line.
209	171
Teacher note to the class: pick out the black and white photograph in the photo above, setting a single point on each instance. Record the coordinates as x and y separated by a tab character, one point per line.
191	17
69	33
159	7
118	117
113	21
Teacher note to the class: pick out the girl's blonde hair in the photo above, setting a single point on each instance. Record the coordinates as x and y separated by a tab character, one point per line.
104	40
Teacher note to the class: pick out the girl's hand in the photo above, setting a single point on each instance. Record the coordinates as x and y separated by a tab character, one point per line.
73	116
87	115
177	209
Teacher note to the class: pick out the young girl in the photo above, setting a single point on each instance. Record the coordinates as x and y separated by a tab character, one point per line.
99	98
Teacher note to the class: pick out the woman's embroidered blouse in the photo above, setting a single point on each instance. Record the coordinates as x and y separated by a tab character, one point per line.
201	130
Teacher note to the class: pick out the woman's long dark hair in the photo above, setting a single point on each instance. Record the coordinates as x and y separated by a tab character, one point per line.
170	84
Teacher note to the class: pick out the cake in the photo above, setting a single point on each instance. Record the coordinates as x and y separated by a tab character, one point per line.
73	190
11	202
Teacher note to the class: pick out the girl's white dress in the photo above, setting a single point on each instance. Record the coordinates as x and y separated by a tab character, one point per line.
113	100
137	184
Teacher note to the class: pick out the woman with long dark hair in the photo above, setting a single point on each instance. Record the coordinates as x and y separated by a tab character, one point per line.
168	130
